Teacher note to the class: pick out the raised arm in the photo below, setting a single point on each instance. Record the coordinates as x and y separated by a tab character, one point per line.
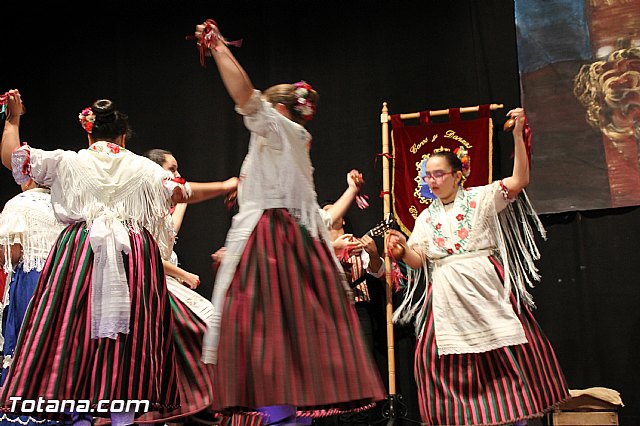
342	204
520	177
234	77
178	216
11	134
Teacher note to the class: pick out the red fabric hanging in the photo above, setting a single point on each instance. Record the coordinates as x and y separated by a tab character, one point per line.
412	146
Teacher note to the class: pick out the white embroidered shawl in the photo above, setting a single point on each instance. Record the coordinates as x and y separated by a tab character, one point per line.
471	307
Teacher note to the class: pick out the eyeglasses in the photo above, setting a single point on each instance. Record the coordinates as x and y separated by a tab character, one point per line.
437	175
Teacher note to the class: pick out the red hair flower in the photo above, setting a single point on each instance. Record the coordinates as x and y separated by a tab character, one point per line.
465	159
87	118
304	105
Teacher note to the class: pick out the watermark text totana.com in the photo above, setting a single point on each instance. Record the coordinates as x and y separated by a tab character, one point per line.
42	405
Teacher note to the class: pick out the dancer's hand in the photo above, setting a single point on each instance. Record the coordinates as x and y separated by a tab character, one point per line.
15	108
355	179
369	245
218	255
519	116
191	280
231	184
347	242
397	243
206	35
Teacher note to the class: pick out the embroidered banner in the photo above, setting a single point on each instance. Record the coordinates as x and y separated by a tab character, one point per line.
413	145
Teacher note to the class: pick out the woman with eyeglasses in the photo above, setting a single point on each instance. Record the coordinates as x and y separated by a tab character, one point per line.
480	358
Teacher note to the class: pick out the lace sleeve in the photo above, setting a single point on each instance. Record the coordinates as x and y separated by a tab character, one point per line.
327	220
20	164
252	105
42	166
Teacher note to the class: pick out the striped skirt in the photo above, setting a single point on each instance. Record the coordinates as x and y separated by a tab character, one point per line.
55	344
194	377
492	388
289	334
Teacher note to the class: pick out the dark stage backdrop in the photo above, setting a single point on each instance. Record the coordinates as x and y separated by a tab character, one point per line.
413	55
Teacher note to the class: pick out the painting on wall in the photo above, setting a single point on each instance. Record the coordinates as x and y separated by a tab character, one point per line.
580	81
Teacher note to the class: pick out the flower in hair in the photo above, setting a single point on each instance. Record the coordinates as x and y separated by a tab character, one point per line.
87	118
304	105
465	159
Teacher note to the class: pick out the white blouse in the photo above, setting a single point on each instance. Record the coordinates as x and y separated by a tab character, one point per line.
276	173
471	305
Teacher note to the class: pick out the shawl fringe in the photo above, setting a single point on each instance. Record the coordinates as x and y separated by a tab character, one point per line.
139	203
30	224
514	231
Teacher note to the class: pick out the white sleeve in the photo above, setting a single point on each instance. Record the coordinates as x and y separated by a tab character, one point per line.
327	220
500	195
366	264
259	116
38	164
379	273
419	233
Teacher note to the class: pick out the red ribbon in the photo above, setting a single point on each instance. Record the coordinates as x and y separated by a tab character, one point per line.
382	154
26	166
231	199
345	255
396	273
208	40
526	133
179	180
526	136
361	201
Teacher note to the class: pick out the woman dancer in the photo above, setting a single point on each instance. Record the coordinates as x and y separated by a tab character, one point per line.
286	339
192	314
481	358
99	325
28	231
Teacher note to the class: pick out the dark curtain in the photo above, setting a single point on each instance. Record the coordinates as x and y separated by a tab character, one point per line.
412	55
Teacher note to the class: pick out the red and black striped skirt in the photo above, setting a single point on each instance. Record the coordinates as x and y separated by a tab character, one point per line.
195	378
289	335
492	388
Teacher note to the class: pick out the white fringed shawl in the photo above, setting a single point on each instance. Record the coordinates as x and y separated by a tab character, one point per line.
27	219
114	191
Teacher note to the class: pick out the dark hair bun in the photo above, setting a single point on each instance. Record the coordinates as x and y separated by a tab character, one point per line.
104	110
